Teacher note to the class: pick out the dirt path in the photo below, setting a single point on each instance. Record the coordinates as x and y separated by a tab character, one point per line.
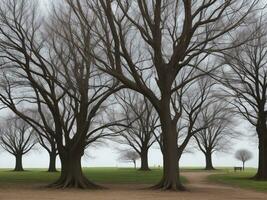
198	189
198	185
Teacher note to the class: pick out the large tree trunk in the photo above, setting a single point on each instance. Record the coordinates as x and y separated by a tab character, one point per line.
144	160
171	176
52	161
262	136
209	165
71	172
262	165
18	166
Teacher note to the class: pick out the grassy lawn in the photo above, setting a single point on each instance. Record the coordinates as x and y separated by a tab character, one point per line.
98	175
198	169
239	179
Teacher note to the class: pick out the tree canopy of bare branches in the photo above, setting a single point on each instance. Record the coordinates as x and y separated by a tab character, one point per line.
243	155
245	79
54	68
157	47
17	137
141	123
46	139
90	49
219	132
129	156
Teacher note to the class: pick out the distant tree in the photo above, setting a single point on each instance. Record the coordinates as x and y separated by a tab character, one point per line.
217	136
17	137
49	144
129	156
141	122
45	135
243	155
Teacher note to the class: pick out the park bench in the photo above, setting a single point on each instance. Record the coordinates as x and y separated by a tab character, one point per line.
238	168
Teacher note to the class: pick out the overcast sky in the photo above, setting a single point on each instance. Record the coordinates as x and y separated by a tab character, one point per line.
106	155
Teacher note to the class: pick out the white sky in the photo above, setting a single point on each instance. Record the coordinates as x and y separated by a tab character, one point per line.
106	155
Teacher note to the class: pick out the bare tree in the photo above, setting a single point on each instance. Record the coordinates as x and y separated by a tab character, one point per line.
149	45
243	155
129	156
141	122
195	98
49	144
17	138
245	80
146	45
45	139
56	72
219	120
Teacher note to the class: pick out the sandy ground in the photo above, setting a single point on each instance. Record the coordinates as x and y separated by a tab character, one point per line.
198	189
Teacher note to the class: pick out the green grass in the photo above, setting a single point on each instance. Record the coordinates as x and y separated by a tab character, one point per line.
239	179
198	169
97	175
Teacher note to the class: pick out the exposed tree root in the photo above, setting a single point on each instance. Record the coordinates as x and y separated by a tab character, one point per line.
169	185
18	170
210	168
77	183
259	178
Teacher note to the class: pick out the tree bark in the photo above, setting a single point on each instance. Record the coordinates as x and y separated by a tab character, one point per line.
52	161
209	165
18	166
171	176
262	136
144	160
71	172
262	163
